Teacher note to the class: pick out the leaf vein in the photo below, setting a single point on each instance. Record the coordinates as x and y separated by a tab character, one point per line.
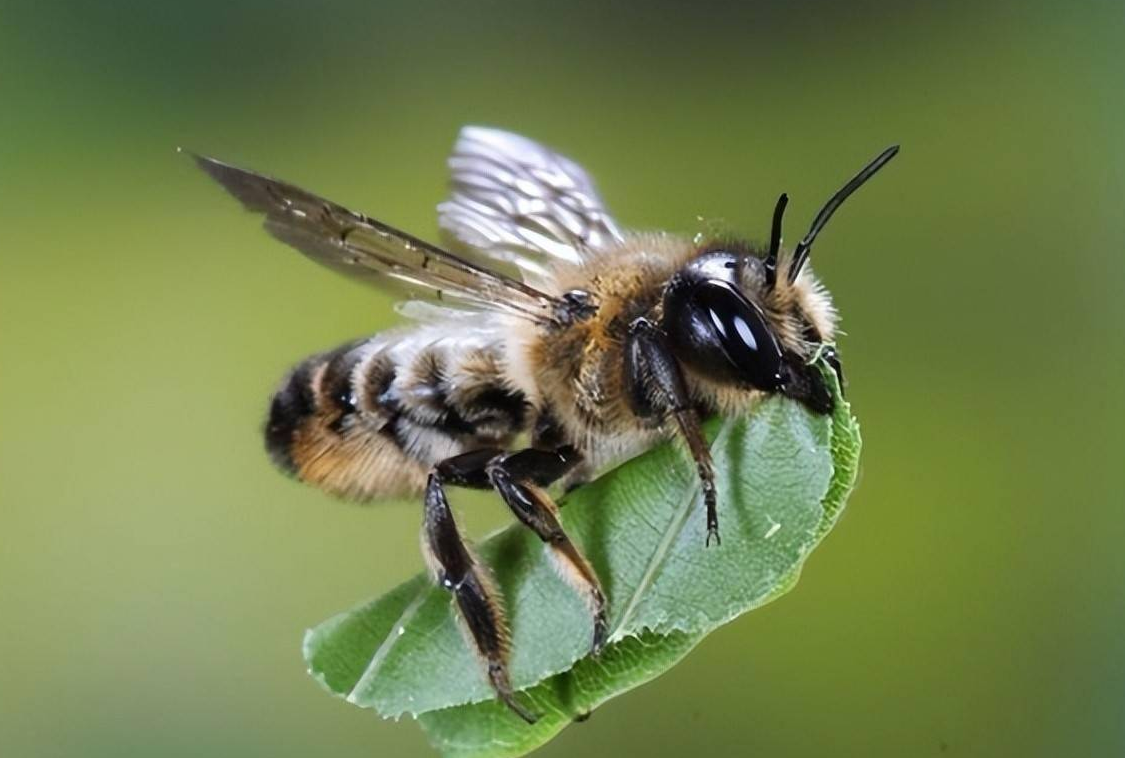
664	547
385	646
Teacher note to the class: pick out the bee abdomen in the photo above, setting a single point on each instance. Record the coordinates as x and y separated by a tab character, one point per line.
369	419
290	407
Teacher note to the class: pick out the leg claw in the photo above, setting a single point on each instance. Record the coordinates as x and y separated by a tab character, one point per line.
601	630
713	534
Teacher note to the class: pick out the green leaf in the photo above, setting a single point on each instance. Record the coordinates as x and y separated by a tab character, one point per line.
488	729
783	476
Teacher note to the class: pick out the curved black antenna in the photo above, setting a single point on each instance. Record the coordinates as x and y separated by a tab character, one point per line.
801	252
775	240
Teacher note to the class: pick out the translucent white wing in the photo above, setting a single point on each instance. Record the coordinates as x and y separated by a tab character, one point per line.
518	202
364	248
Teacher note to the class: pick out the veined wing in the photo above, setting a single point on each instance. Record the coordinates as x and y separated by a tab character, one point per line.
518	202
370	250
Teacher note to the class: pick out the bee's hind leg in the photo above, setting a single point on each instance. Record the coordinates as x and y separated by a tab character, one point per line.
456	568
518	477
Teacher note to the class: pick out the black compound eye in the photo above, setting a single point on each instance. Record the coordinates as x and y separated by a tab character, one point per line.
740	329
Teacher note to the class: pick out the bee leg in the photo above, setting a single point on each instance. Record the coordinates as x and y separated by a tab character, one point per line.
832	358
519	478
548	435
657	390
456	569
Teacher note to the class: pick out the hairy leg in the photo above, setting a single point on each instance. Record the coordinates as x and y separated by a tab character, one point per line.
456	569
656	391
519	479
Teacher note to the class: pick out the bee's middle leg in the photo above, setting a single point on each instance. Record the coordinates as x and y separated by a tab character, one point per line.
519	478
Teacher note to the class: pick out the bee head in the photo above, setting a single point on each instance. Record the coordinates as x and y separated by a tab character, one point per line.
747	316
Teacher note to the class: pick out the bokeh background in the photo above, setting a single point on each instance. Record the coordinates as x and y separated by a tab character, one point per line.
156	574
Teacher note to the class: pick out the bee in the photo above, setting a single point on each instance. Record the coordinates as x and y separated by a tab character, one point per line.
551	345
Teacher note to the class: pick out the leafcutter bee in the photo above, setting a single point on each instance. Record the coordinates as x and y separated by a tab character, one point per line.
550	326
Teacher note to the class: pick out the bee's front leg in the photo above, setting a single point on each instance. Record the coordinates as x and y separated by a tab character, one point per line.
657	390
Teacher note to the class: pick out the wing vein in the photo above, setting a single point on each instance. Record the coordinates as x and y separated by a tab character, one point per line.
370	250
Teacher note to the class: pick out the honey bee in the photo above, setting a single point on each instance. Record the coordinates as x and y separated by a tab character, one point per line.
551	346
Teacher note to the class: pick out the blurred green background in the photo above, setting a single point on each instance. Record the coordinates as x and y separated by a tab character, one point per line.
156	574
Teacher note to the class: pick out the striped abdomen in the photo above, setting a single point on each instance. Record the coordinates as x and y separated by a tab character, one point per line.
368	419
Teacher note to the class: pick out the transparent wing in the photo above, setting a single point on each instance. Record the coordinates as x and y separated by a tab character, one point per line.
367	249
518	202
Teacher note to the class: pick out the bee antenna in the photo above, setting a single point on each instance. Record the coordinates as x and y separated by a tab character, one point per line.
775	239
801	252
